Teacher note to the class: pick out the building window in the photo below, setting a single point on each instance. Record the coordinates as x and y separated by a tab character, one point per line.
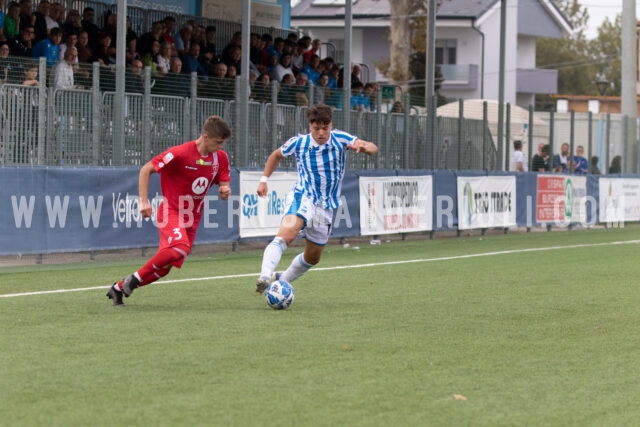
446	52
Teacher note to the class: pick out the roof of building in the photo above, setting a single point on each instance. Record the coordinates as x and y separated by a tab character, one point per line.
453	9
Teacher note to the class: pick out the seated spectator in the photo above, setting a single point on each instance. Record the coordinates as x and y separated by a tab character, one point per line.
88	25
11	27
150	59
62	73
71	40
540	162
311	69
234	59
563	162
183	39
235	42
169	30
334	76
134	79
616	165
103	52
232	73
219	85
369	91
208	52
146	41
297	57
321	91
581	164
131	44
48	48
73	23
40	21
287	93
355	74
21	44
174	83
313	50
359	102
56	16
85	54
190	63
25	13
276	48
397	108
283	67
6	66
30	74
292	37
261	89
163	59
593	166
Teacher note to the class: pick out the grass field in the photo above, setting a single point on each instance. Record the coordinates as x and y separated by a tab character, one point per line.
534	329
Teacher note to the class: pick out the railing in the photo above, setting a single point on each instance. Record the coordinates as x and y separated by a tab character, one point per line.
69	127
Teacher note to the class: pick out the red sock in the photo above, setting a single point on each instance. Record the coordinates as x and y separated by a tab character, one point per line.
156	267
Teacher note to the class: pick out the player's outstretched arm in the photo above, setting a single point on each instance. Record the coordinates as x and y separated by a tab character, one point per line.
362	146
272	164
143	189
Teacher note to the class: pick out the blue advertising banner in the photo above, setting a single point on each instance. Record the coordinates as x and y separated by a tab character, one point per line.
68	210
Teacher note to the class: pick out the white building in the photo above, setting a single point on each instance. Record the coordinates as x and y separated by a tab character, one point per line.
467	42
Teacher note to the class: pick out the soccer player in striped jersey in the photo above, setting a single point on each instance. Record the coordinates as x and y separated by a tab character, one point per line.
320	159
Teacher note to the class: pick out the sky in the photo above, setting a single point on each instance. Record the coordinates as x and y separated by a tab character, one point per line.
601	9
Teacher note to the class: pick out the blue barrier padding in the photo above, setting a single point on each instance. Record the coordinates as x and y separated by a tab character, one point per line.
29	197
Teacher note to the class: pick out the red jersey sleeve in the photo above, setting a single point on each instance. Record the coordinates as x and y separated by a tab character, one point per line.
164	160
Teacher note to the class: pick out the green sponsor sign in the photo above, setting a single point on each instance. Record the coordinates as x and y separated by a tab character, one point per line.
388	92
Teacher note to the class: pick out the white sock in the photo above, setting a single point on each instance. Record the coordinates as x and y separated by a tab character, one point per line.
296	269
271	257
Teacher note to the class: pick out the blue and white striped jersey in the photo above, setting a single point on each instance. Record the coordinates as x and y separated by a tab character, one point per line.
320	166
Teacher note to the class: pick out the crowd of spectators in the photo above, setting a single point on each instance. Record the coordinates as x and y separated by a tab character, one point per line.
172	54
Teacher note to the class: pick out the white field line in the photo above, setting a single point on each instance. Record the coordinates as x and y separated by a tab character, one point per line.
343	267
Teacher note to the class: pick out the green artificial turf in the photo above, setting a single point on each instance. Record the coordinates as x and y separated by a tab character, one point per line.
536	329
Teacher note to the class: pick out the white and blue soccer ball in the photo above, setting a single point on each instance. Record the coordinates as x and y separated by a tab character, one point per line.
279	295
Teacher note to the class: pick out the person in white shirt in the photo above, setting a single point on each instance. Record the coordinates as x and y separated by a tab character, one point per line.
62	73
518	160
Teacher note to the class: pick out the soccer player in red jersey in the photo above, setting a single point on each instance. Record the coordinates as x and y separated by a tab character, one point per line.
187	171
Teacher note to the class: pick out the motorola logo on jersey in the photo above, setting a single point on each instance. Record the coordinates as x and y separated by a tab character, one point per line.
200	185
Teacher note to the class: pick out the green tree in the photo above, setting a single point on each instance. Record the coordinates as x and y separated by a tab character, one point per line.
580	61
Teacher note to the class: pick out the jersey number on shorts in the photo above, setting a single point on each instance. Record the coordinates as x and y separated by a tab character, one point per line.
178	234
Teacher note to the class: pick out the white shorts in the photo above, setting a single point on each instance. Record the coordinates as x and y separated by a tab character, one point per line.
317	221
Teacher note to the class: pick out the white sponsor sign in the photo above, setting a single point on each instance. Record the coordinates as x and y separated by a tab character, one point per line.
486	202
260	216
395	204
266	13
619	199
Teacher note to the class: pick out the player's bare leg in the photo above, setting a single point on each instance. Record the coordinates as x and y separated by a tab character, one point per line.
289	229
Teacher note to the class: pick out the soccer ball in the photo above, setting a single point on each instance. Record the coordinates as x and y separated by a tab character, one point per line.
279	295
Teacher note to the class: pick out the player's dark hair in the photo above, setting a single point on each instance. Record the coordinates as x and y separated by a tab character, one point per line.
319	113
517	144
216	126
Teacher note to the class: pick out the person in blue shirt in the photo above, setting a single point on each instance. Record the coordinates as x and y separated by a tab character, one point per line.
191	63
581	163
359	101
48	47
311	69
320	157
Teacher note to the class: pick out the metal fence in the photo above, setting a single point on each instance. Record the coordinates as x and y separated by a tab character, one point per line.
47	126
